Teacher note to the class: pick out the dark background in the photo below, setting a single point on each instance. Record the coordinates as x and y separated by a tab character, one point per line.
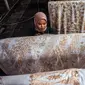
17	21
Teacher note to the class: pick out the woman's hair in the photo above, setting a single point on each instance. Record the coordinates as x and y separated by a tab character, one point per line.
39	16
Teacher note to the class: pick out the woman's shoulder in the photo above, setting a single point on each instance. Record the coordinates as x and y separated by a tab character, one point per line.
51	30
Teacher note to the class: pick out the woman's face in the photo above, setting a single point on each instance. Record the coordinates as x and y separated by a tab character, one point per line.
42	25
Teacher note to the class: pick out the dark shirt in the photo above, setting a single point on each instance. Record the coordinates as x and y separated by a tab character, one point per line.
47	31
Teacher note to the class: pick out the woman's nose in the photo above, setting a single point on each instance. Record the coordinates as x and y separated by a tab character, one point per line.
42	26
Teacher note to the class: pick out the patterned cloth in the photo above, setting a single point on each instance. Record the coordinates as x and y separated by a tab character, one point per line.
61	77
42	53
67	16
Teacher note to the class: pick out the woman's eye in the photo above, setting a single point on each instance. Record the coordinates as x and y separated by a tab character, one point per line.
39	24
44	23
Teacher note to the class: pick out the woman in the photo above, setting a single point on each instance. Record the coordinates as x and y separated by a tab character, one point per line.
40	22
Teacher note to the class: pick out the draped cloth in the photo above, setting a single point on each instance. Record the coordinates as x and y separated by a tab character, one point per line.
67	16
60	77
42	53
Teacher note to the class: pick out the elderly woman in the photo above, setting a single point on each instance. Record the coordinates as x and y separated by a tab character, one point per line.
40	22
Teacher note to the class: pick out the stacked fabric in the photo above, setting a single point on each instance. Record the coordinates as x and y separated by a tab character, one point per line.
61	77
67	16
42	53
